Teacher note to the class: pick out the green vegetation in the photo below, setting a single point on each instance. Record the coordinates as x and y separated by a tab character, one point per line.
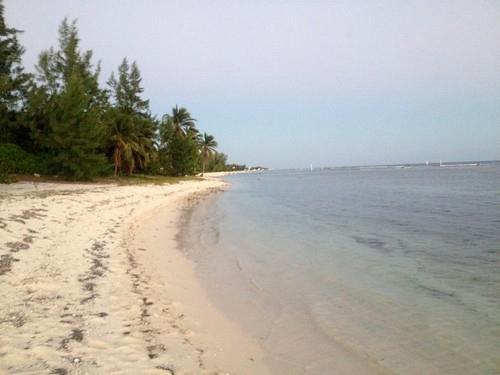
13	83
179	151
138	179
66	109
13	160
61	122
208	146
131	129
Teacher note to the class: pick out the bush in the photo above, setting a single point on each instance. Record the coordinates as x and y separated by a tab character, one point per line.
4	173
13	159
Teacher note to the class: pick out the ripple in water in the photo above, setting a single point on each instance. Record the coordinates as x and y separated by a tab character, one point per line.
396	268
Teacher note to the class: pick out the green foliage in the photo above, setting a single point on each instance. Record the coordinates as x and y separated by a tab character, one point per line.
76	134
179	153
66	111
127	90
138	179
181	122
207	149
13	82
130	140
183	156
183	150
131	127
13	159
236	167
64	123
4	174
217	163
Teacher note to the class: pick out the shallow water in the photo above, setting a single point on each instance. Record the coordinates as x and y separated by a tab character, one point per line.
395	268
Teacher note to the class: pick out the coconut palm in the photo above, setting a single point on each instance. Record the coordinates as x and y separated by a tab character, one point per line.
130	147
181	121
208	145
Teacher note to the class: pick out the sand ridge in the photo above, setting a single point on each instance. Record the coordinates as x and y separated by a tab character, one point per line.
77	294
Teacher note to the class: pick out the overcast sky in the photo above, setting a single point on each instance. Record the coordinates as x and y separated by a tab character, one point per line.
289	83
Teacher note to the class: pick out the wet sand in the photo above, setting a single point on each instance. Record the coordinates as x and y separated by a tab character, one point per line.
92	282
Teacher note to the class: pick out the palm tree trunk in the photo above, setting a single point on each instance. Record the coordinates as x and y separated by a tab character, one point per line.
116	159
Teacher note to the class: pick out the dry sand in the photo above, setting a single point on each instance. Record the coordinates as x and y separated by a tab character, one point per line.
92	282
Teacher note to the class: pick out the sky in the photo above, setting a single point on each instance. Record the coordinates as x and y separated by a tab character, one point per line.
284	84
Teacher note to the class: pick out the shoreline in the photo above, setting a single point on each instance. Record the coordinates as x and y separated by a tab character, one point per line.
291	339
93	282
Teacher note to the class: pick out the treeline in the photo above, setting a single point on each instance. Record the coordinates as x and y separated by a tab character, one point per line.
60	121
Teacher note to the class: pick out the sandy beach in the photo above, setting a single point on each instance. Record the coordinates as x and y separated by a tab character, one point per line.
92	282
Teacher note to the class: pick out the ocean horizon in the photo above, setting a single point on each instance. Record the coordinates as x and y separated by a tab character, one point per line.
396	267
433	163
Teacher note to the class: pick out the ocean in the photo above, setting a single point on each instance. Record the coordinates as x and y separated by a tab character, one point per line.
396	268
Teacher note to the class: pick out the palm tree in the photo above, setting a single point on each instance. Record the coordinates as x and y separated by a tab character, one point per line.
182	122
130	147
207	148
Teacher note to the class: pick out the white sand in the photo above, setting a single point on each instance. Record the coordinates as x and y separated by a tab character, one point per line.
91	282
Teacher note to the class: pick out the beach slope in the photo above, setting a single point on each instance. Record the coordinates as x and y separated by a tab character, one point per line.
92	281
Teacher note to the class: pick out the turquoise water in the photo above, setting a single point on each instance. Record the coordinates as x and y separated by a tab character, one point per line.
396	268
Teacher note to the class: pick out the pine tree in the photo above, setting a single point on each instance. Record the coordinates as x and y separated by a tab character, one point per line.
66	109
76	133
13	83
132	129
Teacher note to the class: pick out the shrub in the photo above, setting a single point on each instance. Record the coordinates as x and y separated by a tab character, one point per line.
4	173
13	159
